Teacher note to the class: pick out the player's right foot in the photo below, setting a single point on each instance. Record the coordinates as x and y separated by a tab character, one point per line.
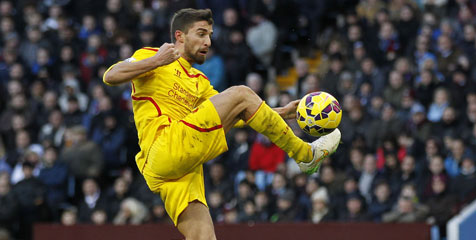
321	148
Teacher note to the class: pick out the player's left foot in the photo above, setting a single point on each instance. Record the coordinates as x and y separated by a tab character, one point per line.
321	148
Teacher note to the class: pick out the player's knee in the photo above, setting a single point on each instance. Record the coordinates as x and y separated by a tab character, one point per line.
241	92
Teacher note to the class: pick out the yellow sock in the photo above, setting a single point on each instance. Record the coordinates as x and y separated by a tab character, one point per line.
268	122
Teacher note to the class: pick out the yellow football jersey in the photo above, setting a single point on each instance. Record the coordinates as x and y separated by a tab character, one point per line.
164	94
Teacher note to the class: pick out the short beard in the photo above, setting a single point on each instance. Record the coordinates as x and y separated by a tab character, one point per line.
196	59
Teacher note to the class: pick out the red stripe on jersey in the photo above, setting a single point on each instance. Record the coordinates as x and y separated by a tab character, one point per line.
151	49
133	87
151	100
201	129
189	75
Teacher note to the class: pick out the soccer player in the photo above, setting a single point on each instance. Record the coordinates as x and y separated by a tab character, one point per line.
182	121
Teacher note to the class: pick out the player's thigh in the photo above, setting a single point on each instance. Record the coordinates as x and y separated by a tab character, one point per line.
204	137
187	143
195	222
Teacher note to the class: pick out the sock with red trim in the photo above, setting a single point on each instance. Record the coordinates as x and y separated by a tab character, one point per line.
269	123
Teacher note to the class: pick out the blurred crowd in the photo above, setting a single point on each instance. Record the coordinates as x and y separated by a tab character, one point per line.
402	70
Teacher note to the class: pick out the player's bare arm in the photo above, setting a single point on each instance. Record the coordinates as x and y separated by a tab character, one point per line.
288	111
126	71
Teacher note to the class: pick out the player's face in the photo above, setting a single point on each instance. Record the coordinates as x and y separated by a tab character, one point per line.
198	41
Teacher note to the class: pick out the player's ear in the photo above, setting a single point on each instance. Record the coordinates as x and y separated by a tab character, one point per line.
179	36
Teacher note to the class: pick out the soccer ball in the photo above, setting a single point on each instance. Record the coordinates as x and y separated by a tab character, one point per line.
318	113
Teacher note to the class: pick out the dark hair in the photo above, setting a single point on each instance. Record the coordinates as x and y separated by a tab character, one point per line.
187	16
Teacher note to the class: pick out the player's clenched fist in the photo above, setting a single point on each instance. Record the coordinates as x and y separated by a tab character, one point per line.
167	54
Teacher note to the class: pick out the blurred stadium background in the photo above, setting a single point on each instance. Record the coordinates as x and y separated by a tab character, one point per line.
403	71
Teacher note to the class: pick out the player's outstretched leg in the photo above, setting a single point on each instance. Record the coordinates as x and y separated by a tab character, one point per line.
240	102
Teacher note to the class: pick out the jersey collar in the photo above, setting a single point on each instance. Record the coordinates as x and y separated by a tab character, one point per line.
185	64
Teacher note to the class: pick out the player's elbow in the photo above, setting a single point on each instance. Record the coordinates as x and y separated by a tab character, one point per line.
109	79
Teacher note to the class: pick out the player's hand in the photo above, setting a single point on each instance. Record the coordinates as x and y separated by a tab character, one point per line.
289	111
167	54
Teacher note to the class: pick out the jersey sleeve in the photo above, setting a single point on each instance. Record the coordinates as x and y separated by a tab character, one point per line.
138	55
142	54
210	92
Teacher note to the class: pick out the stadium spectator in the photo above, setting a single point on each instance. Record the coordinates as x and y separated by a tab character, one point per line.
440	204
71	89
356	157
285	211
262	207
48	104
91	201
115	196
32	155
264	155
337	202
355	209
83	157
9	208
405	211
30	47
236	58
69	216
464	185
381	201
54	175
455	158
159	215
231	22
214	69
310	84
110	136
31	196
218	181
450	124
438	106
255	82
52	132
238	153
248	214
408	174
132	211
387	125
321	212
302	71
435	170
368	177
262	38
446	56
245	194
215	204
99	217
331	79
278	187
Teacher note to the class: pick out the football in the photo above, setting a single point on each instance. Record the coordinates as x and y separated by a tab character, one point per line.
318	113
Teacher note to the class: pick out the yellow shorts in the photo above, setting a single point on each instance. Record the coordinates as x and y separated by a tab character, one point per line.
174	163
